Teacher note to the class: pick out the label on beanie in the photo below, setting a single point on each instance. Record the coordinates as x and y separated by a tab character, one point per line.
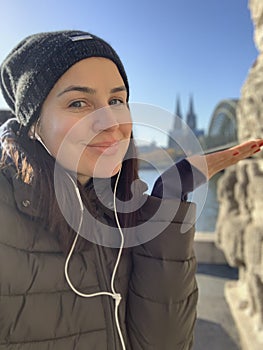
81	37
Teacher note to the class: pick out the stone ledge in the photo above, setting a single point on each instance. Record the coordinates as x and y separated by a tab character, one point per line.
250	338
206	250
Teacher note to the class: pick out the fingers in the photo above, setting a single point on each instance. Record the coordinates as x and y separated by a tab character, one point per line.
223	159
247	148
218	161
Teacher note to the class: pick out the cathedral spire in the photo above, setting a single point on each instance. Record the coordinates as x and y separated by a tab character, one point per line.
177	122
178	107
191	116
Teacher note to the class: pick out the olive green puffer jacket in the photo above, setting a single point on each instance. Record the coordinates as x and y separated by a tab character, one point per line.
156	279
38	310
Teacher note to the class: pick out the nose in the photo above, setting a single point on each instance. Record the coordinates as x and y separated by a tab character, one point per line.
105	119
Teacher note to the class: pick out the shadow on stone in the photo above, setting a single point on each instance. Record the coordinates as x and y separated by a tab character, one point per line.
211	335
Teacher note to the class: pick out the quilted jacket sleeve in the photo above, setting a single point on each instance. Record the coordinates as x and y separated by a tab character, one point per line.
163	291
178	181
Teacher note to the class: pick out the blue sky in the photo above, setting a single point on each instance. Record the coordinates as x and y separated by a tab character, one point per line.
169	47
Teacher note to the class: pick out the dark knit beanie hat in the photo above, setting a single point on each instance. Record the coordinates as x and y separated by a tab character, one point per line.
33	67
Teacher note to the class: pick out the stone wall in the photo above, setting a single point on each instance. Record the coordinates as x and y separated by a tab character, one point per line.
240	190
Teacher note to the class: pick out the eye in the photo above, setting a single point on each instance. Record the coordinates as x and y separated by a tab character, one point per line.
116	102
77	104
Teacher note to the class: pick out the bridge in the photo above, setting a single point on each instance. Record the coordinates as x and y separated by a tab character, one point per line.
222	131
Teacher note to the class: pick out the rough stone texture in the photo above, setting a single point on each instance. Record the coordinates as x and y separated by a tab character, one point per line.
240	235
256	9
239	227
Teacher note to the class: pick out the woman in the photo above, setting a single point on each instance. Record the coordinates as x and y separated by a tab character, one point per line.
79	269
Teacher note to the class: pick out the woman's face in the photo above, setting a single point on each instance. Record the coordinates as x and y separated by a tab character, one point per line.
85	122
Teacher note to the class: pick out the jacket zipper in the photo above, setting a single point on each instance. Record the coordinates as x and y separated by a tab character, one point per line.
108	302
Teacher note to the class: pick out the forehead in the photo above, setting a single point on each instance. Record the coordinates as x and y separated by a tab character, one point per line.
94	70
95	73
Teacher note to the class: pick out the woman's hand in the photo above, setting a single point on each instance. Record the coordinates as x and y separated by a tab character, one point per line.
211	164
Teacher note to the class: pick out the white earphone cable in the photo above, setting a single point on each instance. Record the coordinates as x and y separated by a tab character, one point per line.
116	296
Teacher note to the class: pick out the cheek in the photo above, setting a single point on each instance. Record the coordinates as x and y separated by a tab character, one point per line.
126	130
55	136
61	132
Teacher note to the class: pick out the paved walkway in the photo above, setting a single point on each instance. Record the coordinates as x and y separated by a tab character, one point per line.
215	328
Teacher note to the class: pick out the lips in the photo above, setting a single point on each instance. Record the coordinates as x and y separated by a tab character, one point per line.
107	148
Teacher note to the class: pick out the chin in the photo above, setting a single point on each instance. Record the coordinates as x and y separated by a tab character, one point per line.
99	172
104	173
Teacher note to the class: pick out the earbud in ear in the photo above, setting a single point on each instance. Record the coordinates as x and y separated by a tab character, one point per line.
32	132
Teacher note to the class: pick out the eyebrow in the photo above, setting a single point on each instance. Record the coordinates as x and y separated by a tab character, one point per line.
89	90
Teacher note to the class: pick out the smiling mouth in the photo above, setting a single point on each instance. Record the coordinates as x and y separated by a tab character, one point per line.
105	148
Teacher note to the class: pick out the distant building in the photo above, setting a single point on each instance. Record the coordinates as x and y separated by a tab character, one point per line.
191	120
146	148
191	116
178	132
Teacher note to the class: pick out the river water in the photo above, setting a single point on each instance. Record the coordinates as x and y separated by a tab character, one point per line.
207	211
